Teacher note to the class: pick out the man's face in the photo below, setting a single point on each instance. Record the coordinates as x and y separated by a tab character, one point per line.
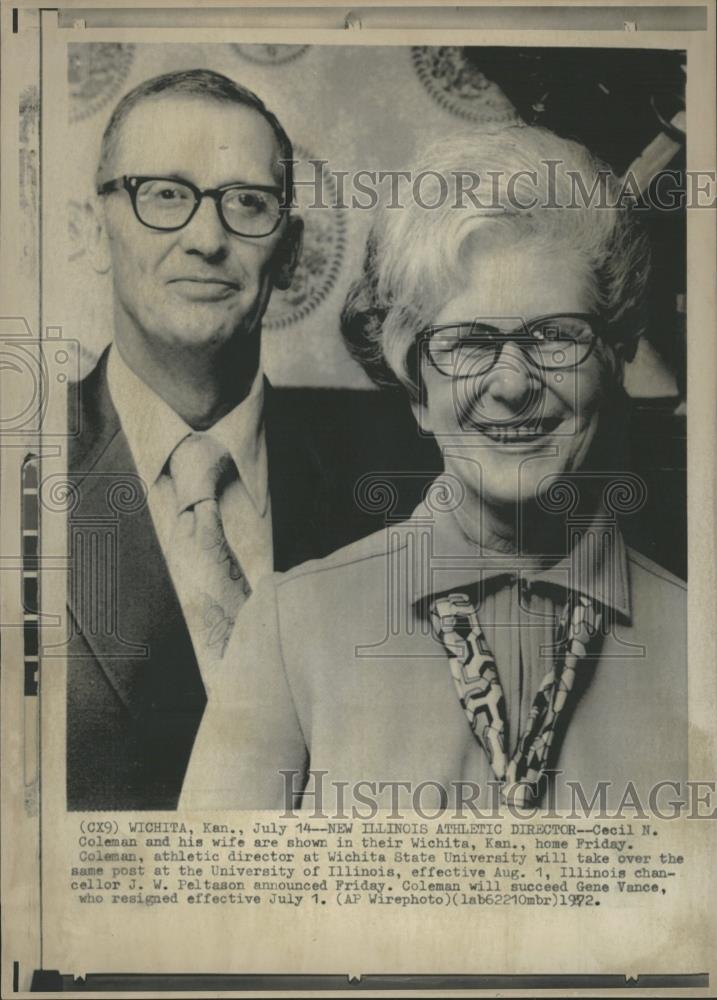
201	285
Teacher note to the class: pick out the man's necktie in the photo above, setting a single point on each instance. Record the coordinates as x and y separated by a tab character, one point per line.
455	624
213	586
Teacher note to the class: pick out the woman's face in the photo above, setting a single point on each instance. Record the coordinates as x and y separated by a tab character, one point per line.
505	430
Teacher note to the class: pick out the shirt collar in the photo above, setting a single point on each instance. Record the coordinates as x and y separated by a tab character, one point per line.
597	570
241	431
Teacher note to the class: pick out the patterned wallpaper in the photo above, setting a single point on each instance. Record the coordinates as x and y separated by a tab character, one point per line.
357	107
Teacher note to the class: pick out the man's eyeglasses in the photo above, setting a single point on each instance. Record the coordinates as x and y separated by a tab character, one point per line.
168	204
551	343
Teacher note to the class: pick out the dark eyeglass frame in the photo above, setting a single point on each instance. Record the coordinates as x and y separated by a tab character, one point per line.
518	335
131	183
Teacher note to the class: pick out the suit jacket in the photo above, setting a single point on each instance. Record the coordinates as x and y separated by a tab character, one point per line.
135	697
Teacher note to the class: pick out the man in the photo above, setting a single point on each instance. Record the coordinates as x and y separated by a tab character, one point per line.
193	478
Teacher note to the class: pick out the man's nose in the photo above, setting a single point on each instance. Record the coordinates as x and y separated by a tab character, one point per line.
204	233
512	385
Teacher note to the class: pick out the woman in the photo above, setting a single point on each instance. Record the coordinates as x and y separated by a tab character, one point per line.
503	632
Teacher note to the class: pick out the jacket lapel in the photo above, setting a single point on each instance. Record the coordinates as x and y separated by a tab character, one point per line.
299	483
120	593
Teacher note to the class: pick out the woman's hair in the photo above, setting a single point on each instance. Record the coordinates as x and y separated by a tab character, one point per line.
518	186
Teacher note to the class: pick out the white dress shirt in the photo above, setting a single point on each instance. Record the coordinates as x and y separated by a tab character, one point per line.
153	430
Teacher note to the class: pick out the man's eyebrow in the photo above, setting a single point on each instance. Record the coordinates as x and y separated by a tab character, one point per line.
180	175
168	175
251	184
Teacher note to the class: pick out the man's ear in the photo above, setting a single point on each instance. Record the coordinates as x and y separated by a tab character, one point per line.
623	352
95	236
288	252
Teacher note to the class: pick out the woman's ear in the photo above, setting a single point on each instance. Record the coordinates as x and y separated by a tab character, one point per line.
422	417
287	253
95	236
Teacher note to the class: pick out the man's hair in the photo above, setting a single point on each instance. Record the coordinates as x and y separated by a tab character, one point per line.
415	258
200	83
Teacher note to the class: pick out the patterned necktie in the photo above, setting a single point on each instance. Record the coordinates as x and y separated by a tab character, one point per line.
455	624
212	585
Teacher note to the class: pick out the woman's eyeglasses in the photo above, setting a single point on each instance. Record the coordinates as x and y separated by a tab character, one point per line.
558	342
168	204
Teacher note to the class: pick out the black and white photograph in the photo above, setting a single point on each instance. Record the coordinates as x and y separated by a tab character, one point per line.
508	269
363	543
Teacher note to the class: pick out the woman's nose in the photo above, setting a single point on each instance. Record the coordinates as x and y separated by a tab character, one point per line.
511	382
